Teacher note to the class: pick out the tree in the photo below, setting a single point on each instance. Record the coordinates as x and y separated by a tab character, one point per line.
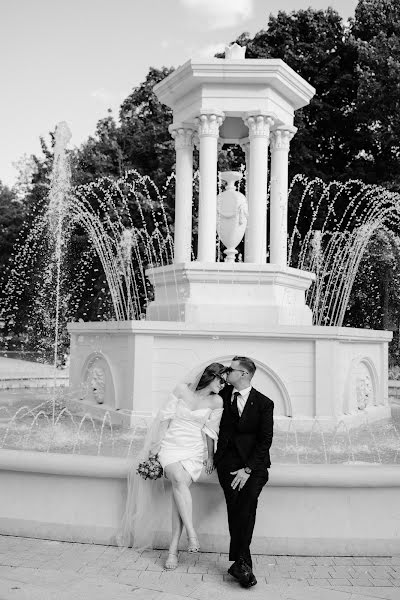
376	37
315	44
140	141
12	214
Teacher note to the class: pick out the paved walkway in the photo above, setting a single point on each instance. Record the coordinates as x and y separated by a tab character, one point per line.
47	570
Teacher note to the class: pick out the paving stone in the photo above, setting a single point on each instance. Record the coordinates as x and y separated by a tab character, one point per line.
300	572
343	560
268	571
360	569
304	560
361	560
345	572
382	571
334	581
285	560
381	560
168	577
212	577
199	568
318	581
382	582
157	565
324	560
362	582
129	576
321	572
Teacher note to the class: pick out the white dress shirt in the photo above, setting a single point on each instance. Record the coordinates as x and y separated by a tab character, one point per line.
242	398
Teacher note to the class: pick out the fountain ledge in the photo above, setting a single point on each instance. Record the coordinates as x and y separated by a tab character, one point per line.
228	330
82	498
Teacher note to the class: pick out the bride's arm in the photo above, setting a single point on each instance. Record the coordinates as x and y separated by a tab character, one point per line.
210	455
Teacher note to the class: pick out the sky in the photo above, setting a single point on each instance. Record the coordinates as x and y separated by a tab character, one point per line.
72	60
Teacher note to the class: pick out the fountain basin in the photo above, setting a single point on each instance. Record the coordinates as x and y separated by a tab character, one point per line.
305	509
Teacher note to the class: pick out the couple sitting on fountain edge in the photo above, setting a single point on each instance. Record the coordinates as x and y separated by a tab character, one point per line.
218	408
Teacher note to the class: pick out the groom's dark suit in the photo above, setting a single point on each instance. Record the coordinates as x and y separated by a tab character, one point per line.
244	442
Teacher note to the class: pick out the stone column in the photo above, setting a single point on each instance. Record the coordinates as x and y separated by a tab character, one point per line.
256	233
280	141
208	131
183	136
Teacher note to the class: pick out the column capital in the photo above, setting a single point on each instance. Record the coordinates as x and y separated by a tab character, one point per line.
182	134
259	124
281	136
208	123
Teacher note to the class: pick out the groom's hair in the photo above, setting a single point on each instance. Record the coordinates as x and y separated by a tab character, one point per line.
246	363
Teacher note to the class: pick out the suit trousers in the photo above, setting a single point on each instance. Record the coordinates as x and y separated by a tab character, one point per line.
241	505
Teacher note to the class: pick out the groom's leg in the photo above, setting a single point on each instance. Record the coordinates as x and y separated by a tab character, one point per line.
246	508
231	498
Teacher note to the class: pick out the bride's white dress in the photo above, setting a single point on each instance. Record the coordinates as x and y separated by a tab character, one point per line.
184	440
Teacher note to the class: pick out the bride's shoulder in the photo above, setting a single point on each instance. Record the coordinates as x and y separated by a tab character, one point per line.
181	390
218	401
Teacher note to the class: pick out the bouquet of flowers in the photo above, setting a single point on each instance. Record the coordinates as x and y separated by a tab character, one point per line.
150	468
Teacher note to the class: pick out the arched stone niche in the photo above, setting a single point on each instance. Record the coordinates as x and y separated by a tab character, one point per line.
265	380
361	385
96	381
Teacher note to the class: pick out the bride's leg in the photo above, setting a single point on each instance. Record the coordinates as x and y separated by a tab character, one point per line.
177	527
181	481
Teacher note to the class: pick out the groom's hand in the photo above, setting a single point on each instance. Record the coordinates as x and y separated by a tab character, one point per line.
240	479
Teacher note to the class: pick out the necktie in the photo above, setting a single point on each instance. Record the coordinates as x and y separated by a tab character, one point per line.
235	409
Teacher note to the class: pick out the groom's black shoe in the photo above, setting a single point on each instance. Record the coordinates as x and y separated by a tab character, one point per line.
243	573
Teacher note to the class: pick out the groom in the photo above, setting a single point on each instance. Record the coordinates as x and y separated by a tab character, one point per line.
242	460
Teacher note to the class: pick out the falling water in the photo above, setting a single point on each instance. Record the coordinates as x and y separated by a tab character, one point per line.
59	196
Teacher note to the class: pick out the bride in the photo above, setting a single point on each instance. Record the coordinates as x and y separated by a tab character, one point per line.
183	432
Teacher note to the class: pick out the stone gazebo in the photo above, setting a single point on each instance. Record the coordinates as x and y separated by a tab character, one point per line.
250	102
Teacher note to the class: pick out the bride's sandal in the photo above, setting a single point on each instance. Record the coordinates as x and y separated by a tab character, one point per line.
194	545
172	561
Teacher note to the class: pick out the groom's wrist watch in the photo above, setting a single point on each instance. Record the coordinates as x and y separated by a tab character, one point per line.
247	470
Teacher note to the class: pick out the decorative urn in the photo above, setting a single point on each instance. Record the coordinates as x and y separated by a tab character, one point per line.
231	215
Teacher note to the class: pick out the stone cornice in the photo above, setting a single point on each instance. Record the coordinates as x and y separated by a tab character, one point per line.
160	328
273	72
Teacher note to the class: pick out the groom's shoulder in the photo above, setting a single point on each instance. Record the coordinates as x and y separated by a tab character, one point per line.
264	399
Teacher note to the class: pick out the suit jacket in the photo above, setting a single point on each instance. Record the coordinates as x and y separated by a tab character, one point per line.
251	434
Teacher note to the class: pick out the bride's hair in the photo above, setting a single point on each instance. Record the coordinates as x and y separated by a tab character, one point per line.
209	373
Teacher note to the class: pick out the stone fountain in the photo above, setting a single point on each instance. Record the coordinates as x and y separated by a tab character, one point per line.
204	310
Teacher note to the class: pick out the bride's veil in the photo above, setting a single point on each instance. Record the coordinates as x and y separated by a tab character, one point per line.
145	513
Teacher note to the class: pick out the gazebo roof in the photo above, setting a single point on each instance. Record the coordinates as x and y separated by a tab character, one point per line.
234	86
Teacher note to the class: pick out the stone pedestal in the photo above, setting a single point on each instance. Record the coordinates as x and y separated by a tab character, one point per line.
318	377
237	293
